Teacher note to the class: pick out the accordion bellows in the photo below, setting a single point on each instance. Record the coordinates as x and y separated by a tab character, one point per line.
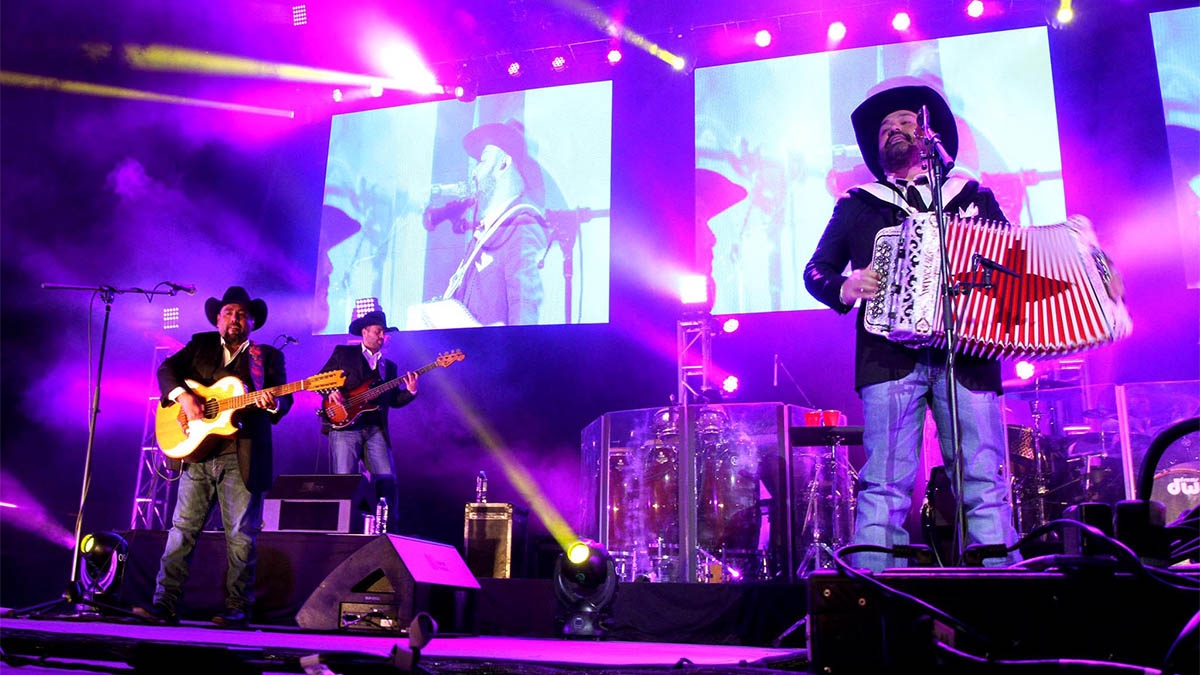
1019	291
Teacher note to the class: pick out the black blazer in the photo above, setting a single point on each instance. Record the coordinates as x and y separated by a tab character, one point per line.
850	238
200	360
350	359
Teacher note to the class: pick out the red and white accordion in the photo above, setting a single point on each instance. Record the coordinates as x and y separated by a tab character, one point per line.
1027	291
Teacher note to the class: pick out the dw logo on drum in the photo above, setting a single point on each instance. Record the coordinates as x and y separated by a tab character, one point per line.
1184	485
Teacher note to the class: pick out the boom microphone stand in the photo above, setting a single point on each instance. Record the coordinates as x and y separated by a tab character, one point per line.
73	600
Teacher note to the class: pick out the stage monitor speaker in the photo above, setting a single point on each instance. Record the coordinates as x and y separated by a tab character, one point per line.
315	503
387	582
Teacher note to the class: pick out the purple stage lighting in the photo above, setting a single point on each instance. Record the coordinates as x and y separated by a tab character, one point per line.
902	21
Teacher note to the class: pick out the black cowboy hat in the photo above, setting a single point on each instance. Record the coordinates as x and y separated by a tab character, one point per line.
510	137
237	295
900	93
714	194
372	318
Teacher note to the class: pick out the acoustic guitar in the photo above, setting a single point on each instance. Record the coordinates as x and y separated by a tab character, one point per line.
185	440
361	399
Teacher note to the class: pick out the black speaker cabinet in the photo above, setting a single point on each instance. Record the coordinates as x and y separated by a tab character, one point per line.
384	584
315	503
1006	614
494	539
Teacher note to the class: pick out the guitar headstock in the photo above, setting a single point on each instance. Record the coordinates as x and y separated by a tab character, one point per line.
326	381
444	360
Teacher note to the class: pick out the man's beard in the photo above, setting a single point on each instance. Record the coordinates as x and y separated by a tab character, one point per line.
233	338
900	155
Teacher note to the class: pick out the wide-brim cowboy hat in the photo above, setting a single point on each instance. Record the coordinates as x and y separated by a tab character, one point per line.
373	318
237	295
900	93
714	194
510	137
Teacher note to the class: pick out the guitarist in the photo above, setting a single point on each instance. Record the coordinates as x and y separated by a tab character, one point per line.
236	470
367	438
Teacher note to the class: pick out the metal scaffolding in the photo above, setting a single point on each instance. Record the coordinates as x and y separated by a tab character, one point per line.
152	491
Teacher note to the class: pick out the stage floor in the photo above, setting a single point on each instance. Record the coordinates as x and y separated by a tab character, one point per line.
113	645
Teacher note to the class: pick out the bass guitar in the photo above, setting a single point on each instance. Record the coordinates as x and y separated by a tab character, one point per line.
360	399
185	440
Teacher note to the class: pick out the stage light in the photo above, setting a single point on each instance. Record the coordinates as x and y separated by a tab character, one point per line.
614	56
731	324
1025	370
902	21
837	31
559	63
170	318
677	62
694	293
299	15
585	582
1065	13
514	69
376	90
729	384
337	95
763	38
975	9
102	563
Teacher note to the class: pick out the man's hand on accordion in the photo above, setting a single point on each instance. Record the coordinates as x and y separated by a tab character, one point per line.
860	285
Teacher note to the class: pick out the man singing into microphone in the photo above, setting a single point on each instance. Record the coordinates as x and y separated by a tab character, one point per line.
896	383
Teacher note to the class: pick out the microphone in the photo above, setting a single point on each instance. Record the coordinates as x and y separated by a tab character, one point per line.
980	261
933	141
289	340
180	288
452	211
459	190
775	373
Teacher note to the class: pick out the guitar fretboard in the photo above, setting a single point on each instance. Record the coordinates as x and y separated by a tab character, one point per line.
390	384
218	406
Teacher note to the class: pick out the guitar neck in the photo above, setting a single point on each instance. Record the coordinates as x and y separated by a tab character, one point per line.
389	385
236	402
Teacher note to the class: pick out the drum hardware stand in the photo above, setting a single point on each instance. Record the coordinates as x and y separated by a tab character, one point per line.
823	533
74	603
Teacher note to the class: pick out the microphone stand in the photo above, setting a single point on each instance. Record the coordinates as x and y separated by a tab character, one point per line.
938	162
73	600
564	228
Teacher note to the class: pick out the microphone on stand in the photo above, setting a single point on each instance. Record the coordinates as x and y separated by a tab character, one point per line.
289	340
933	141
180	288
449	191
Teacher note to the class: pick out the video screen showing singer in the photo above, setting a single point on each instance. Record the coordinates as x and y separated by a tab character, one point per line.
455	214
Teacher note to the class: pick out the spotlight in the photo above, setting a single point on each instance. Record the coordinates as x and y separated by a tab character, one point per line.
614	56
299	15
1025	370
837	31
902	21
975	9
170	318
730	384
1065	13
102	563
514	69
376	90
585	582
763	38
559	63
466	88
694	293
731	324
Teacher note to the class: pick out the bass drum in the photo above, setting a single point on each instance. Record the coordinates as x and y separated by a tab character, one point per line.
1178	488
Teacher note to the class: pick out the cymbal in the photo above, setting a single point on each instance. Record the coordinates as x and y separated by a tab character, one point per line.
1015	385
1100	414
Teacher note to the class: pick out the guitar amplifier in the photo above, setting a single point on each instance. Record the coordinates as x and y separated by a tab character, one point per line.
315	503
489	533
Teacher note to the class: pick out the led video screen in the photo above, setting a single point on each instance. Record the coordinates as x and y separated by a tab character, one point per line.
775	149
452	214
1178	57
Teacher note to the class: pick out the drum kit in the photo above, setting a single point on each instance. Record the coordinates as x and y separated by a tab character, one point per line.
645	510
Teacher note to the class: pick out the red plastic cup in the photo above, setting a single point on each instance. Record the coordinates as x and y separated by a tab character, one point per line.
831	418
812	418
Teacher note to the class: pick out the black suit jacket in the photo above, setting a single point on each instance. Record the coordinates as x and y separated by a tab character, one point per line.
200	360
850	238
350	359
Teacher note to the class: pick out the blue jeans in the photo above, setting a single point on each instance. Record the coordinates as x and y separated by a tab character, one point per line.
894	414
202	485
348	446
